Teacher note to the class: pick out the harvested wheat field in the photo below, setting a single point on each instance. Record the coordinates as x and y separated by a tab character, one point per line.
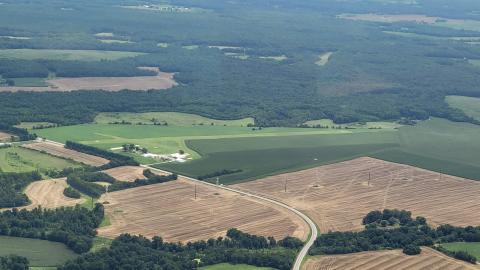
59	150
338	196
429	259
127	173
49	194
171	211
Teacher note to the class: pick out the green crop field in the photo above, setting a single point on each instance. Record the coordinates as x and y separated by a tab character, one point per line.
171	118
30	82
469	105
71	55
472	248
17	159
434	144
38	252
169	139
226	266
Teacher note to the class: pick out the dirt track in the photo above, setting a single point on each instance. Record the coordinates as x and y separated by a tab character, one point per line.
338	196
49	194
171	211
387	260
60	151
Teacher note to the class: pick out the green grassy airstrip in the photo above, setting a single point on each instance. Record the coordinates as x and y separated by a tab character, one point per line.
65	55
472	248
226	266
17	159
469	105
168	139
38	252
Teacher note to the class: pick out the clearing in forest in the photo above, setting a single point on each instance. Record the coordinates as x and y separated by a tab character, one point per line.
338	196
323	59
171	210
65	55
387	260
59	150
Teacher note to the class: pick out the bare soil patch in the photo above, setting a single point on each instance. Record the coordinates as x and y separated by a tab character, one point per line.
49	194
170	210
391	18
387	260
348	193
127	173
59	150
161	81
5	136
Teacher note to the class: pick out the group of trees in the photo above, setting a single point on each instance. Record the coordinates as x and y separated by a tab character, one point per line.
141	253
116	160
394	229
21	133
13	262
11	187
73	226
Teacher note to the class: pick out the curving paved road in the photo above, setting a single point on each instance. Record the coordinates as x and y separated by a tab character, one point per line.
313	227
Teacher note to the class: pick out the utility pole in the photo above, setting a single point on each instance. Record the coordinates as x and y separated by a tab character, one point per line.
369	178
286	184
195	191
218	181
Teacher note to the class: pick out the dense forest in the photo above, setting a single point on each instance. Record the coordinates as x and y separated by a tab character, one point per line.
137	252
371	75
395	229
13	262
11	188
73	226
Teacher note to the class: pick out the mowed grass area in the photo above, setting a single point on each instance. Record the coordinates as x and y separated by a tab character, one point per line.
38	252
436	144
167	139
18	159
30	82
171	118
469	105
65	55
227	266
472	248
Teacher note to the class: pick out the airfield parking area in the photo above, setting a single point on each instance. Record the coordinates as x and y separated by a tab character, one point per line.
387	260
171	210
338	196
60	151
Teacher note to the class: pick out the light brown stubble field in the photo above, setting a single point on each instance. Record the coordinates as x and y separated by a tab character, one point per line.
171	211
338	196
387	260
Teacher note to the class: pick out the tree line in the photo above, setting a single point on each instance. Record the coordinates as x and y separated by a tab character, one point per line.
395	229
138	252
72	226
11	188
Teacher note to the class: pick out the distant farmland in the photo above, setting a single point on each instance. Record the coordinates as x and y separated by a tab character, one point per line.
65	55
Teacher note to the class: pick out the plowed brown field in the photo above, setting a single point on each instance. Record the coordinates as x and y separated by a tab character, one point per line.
171	211
338	196
60	151
49	194
388	260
